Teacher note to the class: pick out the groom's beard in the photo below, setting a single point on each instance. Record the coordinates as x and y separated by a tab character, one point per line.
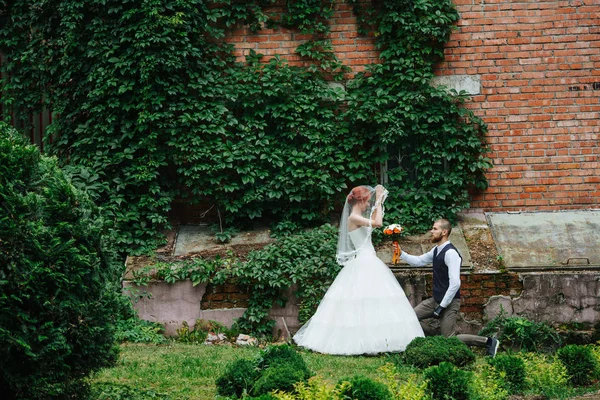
436	239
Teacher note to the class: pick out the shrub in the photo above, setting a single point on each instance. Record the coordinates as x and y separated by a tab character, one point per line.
275	368
363	388
59	280
513	372
487	383
428	351
580	363
281	376
446	381
316	388
523	334
403	384
283	354
238	378
136	330
545	375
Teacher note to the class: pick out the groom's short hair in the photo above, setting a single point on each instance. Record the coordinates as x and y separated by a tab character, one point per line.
445	224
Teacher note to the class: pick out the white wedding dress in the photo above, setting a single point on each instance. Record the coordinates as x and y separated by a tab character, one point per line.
364	311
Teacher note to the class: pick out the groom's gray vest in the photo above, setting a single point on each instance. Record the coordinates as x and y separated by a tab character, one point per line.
441	280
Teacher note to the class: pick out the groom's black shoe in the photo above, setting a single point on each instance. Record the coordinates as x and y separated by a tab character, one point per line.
492	346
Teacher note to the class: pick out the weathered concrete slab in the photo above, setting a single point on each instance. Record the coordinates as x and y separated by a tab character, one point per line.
200	238
560	298
564	239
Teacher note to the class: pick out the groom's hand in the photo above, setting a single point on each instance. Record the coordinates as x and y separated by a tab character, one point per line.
438	312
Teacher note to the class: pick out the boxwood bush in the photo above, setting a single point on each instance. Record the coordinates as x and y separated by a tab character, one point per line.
446	381
513	369
432	350
580	362
363	388
59	285
275	368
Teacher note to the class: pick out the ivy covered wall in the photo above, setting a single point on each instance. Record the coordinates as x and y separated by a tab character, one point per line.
153	104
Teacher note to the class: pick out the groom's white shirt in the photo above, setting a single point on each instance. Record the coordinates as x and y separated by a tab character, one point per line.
452	260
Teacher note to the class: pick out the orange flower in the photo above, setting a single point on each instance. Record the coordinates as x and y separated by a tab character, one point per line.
393	229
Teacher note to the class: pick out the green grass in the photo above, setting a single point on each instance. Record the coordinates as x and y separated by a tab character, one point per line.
184	371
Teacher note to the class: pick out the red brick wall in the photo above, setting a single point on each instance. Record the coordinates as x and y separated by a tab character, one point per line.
539	65
352	49
539	62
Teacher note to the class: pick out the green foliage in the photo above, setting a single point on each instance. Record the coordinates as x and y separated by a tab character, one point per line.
545	375
512	370
278	377
363	388
238	378
136	330
403	383
187	335
275	368
59	280
428	351
150	104
487	383
316	388
522	334
106	391
446	381
196	269
306	259
580	362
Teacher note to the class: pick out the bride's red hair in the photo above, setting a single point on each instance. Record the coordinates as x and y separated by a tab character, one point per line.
358	195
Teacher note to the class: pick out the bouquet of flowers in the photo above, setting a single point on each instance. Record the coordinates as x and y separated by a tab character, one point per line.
394	231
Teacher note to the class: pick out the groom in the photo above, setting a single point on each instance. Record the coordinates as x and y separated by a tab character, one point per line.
445	303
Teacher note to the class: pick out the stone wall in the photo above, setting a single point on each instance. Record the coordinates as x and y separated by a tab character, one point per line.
554	297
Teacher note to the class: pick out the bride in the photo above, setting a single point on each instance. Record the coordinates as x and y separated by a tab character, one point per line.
365	310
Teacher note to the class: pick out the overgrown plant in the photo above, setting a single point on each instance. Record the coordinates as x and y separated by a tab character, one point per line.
522	334
149	103
305	260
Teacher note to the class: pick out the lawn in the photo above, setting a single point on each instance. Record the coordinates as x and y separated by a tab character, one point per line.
185	371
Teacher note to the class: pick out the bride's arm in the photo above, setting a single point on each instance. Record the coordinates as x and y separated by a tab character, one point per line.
377	216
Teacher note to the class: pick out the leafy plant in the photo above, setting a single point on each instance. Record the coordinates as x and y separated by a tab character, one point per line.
187	335
306	259
545	375
363	388
238	378
275	368
581	365
428	351
278	377
512	370
316	388
522	334
402	383
446	381
136	330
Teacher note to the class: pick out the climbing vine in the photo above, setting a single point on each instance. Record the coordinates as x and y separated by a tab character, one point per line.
151	105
